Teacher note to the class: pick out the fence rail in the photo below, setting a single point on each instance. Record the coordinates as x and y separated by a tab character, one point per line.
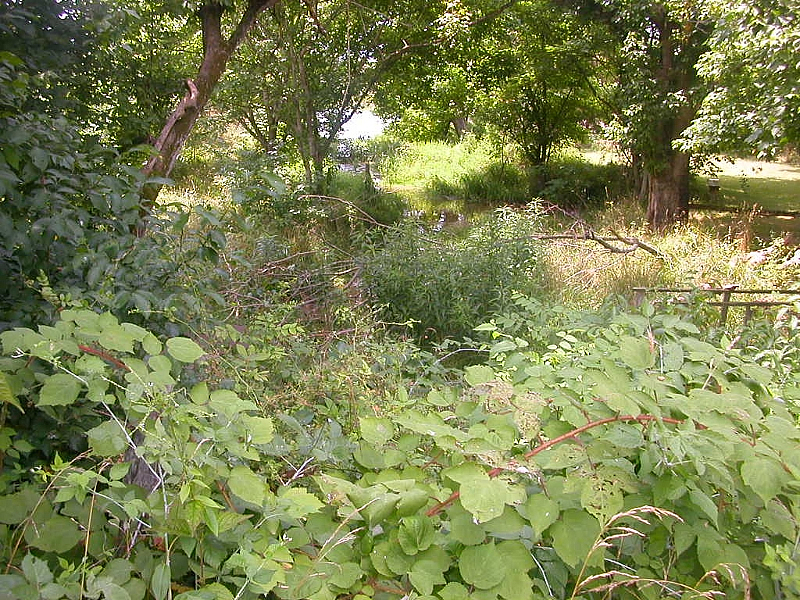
726	301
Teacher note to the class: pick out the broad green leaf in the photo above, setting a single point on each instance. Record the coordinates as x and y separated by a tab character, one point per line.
36	571
212	591
601	498
481	566
117	338
345	575
151	344
160	581
486	500
226	402
636	352
111	590
107	439
454	591
764	476
574	534
199	393
60	389
376	431
508	523
246	485
184	350
464	530
411	501
298	502
415	534
16	507
260	429
159	362
20	338
778	519
57	534
705	504
477	374
7	395
425	574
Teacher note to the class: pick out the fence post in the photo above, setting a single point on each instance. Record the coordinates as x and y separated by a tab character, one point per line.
726	298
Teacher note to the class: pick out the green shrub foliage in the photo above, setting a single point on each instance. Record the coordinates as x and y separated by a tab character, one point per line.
625	453
70	214
445	283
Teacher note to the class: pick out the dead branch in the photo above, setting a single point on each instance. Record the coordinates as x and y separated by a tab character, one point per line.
632	244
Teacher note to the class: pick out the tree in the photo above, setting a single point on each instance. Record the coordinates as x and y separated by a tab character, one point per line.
302	75
659	93
217	51
545	66
752	69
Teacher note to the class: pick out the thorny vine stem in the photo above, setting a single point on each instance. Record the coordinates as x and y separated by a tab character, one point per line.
644	418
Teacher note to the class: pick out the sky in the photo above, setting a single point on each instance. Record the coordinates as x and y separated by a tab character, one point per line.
364	124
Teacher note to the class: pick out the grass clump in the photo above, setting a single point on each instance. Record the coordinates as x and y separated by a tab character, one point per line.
446	284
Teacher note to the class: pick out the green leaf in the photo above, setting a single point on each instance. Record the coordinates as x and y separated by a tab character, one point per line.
636	352
6	394
15	508
246	485
107	439
151	344
778	519
57	534
464	530
454	591
36	571
376	431
705	504
184	350
574	534
481	566
345	575
425	574
477	374
260	429
415	534
298	502
59	390
764	476
485	500
117	338
161	580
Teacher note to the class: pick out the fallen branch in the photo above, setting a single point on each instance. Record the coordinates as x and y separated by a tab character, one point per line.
632	244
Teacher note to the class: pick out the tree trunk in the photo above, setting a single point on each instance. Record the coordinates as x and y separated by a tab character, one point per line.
216	52
668	176
668	193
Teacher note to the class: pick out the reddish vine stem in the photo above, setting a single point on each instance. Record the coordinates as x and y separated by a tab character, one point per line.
105	356
435	510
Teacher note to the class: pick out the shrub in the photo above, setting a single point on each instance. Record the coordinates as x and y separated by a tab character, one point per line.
496	184
70	211
575	183
446	284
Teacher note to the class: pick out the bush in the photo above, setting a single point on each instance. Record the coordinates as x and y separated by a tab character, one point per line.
575	183
496	184
70	213
446	284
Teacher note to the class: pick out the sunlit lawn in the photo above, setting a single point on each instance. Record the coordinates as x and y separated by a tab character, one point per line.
772	186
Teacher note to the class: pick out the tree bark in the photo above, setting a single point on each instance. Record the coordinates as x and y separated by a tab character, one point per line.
216	52
668	193
668	174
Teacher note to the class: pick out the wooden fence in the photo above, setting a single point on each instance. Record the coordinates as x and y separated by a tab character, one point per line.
729	296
